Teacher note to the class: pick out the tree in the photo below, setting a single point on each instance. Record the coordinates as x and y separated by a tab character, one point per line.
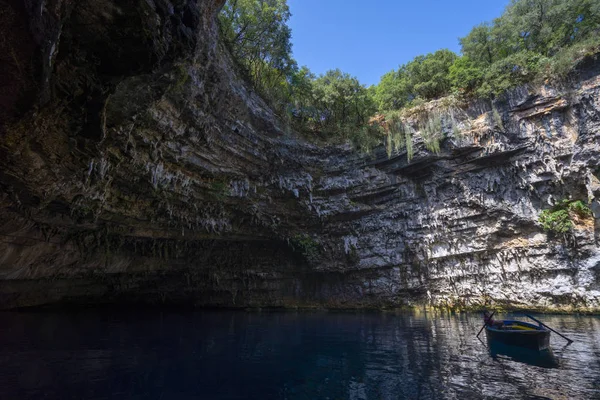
302	104
508	72
393	91
465	75
425	77
532	39
258	37
342	102
541	26
257	34
478	45
512	50
428	75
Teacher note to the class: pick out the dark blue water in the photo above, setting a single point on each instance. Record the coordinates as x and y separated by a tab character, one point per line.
107	354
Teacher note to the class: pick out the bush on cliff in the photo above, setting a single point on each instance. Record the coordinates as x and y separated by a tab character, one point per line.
560	218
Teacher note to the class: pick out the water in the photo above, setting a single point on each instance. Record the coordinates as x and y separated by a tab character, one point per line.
153	354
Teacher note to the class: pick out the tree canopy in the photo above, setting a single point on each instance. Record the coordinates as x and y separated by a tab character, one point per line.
257	34
260	40
532	39
425	77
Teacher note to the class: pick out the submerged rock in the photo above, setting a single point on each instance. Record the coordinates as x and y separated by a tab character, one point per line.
146	170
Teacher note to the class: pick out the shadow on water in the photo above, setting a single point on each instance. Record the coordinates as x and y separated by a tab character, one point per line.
543	358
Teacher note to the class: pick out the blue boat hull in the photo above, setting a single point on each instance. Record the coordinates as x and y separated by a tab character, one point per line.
520	334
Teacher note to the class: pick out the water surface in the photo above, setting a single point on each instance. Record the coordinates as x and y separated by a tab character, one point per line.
166	354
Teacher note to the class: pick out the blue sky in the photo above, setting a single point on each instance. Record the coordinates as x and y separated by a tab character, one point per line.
369	38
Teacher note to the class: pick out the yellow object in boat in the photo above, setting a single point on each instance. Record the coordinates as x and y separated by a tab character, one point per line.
519	327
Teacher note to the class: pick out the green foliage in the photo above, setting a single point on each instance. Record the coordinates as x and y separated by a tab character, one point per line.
365	138
220	189
341	101
544	26
257	34
559	219
398	135
392	91
425	77
580	208
306	245
513	70
335	105
478	46
565	60
540	26
530	41
429	75
432	132
431	126
332	106
465	75
409	145
497	118
533	40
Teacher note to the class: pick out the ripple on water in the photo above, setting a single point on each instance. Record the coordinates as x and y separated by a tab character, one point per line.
109	354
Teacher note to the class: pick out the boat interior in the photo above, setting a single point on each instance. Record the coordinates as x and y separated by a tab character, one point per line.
518	326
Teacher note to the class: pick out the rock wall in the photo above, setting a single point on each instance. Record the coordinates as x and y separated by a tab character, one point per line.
136	166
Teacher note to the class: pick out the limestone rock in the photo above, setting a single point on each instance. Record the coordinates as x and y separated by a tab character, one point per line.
145	170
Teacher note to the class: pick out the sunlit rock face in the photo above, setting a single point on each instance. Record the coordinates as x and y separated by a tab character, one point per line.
461	227
136	166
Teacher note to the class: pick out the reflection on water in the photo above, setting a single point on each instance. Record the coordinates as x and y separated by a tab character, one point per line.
544	358
167	355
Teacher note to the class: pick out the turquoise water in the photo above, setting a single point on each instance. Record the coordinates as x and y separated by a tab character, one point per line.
166	354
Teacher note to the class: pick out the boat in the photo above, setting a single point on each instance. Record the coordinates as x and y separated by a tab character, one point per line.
520	334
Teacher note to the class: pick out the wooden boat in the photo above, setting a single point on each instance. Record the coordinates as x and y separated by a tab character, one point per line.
519	333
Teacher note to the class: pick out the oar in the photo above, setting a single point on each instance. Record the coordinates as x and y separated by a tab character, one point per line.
543	324
486	323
